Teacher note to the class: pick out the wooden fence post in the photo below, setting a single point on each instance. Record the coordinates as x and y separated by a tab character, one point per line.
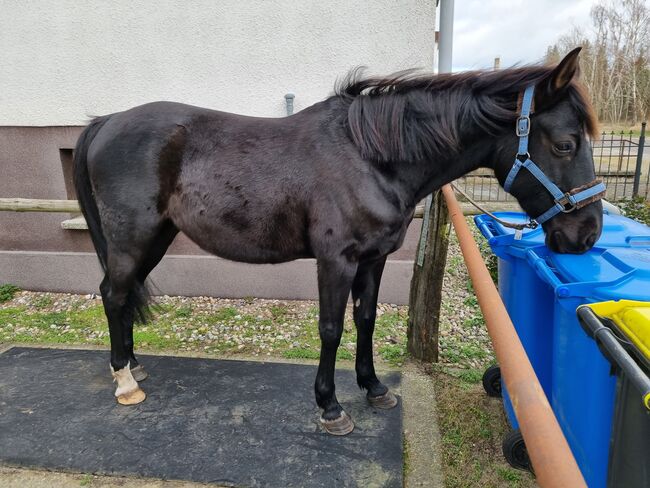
426	285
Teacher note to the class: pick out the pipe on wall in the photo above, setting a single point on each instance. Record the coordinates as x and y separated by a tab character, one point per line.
288	99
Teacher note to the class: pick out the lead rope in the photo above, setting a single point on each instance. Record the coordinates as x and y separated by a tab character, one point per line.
531	224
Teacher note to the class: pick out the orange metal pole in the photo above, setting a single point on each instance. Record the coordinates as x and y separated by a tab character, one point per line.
554	464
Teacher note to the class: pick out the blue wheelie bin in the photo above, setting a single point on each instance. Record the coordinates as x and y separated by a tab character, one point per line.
529	298
583	387
528	284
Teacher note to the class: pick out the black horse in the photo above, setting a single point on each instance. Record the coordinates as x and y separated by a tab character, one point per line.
338	182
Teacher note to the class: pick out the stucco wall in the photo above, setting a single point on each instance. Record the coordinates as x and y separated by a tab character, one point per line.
64	61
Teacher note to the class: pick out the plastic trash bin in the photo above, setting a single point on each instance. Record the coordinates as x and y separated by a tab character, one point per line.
622	331
529	298
583	389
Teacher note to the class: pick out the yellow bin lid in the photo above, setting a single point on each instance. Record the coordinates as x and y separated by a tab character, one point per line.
632	317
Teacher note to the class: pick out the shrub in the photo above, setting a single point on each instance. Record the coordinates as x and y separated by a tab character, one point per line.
637	208
7	292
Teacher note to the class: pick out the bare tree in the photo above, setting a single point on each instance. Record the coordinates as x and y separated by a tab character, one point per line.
615	61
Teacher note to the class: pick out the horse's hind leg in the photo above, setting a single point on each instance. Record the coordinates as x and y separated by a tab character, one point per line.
115	288
365	290
156	251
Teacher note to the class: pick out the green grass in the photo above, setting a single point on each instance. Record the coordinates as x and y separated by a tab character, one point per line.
301	353
463	353
224	314
275	331
471	376
7	292
43	302
279	311
472	426
393	353
86	480
474	321
509	474
184	311
471	301
637	208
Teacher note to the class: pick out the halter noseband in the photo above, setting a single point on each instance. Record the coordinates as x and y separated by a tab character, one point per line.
564	202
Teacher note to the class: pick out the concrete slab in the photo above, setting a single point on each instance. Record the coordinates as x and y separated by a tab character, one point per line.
421	435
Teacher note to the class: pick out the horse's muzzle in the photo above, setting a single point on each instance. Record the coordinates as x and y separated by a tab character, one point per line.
576	232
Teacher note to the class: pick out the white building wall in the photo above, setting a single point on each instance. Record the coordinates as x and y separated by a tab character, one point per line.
67	60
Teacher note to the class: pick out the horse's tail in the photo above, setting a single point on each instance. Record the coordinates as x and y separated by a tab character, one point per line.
138	296
85	191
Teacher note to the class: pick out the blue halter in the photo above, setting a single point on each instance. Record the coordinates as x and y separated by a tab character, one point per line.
565	202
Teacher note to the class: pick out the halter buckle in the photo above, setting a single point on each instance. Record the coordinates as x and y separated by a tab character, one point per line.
523	126
523	157
567	203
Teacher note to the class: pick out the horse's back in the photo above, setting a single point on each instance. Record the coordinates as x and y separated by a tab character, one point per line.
244	188
221	178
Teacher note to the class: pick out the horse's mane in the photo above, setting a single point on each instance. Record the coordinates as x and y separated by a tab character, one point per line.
410	116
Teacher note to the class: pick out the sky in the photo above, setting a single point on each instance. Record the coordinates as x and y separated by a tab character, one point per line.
519	31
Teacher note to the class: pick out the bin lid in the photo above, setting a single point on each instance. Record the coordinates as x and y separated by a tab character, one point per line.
604	274
632	318
617	231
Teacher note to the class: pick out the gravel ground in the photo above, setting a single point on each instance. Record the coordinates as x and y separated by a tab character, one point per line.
252	327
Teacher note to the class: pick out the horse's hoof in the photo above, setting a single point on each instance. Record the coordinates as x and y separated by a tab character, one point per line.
132	398
385	401
139	374
340	426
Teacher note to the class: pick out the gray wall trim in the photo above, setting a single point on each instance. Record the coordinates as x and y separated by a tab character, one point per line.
191	275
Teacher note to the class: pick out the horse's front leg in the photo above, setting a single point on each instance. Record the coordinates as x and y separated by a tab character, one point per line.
334	283
365	290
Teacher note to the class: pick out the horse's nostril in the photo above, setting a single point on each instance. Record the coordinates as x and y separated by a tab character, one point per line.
556	241
591	240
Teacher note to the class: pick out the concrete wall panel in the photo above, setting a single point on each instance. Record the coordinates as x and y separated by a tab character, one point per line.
71	272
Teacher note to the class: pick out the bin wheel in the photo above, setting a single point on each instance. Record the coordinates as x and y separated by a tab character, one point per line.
515	452
492	381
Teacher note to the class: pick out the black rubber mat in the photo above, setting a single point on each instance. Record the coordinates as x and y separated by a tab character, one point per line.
234	423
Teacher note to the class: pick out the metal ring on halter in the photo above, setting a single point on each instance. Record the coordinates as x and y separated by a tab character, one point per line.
523	157
567	203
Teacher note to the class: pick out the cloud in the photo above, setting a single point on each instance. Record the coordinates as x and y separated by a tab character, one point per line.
519	31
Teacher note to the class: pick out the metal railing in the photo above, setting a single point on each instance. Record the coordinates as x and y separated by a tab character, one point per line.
619	160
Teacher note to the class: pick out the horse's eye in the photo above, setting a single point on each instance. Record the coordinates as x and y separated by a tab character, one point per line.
564	147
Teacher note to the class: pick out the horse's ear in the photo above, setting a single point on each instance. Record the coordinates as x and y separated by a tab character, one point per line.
552	87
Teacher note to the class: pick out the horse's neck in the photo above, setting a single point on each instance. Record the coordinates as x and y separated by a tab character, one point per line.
428	176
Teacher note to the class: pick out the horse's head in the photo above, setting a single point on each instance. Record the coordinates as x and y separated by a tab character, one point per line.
558	144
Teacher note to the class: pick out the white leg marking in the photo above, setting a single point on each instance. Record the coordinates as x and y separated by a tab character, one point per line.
357	303
125	381
128	392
